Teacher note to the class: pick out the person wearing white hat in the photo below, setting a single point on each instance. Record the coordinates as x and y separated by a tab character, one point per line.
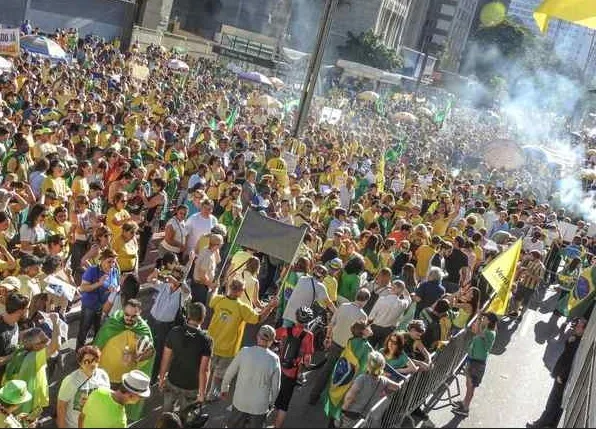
105	408
12	395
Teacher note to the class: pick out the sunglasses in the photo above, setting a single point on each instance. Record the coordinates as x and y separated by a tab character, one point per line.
89	361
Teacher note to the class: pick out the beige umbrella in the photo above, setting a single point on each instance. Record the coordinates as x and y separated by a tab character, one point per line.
405	117
277	82
268	102
368	96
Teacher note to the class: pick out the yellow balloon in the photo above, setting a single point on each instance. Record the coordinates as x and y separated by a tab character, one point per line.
493	14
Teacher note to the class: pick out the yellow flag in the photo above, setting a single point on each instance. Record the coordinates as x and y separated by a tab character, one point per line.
500	274
381	173
581	12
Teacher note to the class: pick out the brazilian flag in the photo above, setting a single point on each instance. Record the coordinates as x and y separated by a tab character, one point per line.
351	364
114	331
583	293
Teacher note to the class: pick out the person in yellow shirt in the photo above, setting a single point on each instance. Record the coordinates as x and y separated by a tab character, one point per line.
278	167
127	248
117	215
80	184
55	182
330	281
230	316
424	255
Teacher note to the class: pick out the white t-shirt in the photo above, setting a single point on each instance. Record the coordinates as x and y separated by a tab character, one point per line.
196	227
179	228
33	235
303	296
76	388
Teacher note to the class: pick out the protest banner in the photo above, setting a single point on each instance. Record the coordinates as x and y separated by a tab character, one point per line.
9	42
291	161
330	115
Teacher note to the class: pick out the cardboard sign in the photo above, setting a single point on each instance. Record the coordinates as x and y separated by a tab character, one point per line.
9	42
568	230
140	72
330	115
291	161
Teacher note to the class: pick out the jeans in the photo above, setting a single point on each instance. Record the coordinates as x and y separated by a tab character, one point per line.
78	251
323	377
90	317
239	419
160	331
173	395
144	241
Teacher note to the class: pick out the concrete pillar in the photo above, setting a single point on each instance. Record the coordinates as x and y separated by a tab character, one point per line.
156	15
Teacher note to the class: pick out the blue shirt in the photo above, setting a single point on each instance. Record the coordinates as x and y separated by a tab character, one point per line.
429	292
498	226
95	299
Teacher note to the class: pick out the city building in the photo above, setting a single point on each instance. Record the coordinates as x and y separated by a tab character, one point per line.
441	28
573	43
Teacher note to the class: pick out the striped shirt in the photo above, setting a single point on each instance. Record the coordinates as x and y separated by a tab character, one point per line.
534	270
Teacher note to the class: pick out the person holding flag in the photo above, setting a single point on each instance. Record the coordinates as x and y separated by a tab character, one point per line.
126	344
350	365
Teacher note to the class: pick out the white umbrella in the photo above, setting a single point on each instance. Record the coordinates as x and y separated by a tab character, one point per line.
255	77
42	46
179	65
5	65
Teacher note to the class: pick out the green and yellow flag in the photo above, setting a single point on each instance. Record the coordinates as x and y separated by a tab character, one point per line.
351	363
114	335
500	274
30	366
380	179
580	12
582	294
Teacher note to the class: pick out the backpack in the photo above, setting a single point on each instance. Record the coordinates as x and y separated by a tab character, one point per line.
290	351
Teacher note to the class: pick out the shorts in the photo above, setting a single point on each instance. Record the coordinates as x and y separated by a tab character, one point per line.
219	365
286	390
475	370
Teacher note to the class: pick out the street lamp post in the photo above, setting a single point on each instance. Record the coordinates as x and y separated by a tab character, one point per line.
315	64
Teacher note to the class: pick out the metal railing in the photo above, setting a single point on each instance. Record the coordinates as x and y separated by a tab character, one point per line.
424	389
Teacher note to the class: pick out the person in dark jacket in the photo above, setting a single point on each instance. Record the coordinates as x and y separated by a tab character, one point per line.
553	411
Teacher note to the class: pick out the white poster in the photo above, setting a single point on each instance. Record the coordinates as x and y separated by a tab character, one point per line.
291	161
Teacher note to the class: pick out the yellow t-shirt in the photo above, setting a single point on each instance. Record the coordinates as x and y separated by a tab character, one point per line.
423	255
279	169
331	285
115	215
440	226
113	352
80	186
230	316
368	216
58	185
127	253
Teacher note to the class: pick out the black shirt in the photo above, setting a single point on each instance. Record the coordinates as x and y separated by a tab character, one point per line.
188	345
9	339
562	368
453	263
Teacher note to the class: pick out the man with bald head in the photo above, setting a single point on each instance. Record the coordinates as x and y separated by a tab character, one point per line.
203	278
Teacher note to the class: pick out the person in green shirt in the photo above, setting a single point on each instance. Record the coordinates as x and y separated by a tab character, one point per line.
106	408
485	330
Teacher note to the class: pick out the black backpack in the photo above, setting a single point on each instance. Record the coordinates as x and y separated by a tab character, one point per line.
290	351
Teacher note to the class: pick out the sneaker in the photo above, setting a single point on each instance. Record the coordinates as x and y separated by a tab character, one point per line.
461	412
458	404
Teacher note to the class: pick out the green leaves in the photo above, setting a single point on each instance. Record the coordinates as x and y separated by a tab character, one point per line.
368	49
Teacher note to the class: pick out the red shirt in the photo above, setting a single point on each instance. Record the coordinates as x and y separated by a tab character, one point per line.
307	348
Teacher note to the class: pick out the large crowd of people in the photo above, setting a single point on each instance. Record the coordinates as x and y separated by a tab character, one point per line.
114	183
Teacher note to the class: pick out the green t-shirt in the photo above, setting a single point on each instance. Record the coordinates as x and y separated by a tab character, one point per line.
481	345
349	285
101	411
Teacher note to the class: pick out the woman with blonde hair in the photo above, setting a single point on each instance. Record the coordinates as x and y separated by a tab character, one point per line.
366	391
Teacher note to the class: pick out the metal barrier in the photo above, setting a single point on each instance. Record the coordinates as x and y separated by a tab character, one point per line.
424	388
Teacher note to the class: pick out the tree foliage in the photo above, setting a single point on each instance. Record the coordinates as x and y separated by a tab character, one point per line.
368	49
